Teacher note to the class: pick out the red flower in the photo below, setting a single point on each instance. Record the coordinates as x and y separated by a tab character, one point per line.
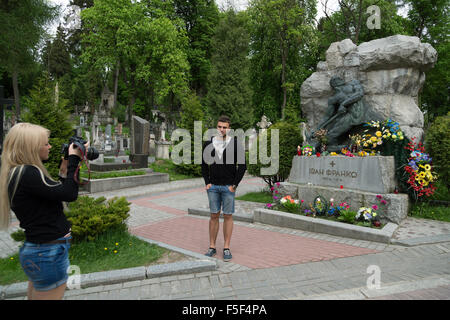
342	187
318	154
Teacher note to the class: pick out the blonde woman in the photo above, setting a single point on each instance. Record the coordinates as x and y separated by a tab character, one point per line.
27	189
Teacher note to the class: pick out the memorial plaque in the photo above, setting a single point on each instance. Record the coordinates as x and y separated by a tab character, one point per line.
374	173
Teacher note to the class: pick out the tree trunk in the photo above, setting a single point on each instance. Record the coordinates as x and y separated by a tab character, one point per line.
283	80
15	76
116	83
358	27
56	93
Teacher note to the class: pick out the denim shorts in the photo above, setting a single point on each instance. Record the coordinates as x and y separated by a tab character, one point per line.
45	264
220	197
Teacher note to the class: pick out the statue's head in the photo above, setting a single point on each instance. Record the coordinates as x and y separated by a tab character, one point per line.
336	81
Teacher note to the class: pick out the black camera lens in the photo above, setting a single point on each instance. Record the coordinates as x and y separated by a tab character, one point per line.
92	153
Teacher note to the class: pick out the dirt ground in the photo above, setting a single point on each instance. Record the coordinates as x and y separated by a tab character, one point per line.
170	257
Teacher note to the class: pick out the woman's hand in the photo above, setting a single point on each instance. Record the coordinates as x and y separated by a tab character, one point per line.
63	168
75	150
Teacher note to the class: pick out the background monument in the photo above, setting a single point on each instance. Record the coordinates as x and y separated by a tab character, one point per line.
391	71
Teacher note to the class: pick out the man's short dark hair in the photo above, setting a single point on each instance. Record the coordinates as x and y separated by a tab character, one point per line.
224	118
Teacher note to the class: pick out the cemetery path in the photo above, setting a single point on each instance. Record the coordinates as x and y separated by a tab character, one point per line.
253	246
271	262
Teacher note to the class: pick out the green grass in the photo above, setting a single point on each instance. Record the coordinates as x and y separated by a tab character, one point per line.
167	166
93	257
262	197
426	211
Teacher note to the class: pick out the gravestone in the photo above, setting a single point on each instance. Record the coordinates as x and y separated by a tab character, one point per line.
162	149
355	180
374	174
82	122
140	135
152	146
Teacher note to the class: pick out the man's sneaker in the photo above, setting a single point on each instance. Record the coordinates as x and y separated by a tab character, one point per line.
211	252
227	255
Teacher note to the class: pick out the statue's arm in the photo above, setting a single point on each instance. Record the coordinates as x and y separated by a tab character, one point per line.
358	93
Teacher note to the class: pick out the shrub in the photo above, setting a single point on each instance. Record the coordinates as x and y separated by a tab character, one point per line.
289	139
91	217
191	111
437	142
347	216
18	235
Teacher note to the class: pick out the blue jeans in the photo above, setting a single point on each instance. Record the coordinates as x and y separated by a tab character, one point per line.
220	197
45	264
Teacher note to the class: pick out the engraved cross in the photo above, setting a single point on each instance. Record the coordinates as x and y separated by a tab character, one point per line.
332	163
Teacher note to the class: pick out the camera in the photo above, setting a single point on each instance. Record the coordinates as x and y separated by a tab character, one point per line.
78	142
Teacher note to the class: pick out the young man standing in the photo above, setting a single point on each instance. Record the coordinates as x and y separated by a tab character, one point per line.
222	177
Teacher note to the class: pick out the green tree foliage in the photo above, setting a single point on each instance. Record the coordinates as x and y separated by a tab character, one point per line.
228	83
22	27
140	42
437	142
55	55
200	19
430	21
289	139
42	110
280	30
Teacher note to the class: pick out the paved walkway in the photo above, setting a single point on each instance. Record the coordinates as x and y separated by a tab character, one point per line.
271	262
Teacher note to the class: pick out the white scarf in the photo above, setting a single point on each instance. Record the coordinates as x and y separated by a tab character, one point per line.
220	145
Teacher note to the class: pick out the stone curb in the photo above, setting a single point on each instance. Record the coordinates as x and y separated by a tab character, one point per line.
238	216
122	275
422	240
141	191
117	183
288	220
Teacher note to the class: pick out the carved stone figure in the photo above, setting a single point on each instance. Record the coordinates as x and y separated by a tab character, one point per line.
346	109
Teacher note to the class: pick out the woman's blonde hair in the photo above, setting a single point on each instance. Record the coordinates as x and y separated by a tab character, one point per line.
21	147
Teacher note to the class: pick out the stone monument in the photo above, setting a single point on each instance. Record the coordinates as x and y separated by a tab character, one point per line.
376	80
140	135
391	71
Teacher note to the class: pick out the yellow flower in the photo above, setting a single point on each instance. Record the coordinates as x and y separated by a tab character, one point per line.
373	139
115	251
378	133
394	136
106	248
427	167
333	154
12	258
117	243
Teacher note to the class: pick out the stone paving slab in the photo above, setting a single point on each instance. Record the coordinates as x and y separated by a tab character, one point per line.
191	234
